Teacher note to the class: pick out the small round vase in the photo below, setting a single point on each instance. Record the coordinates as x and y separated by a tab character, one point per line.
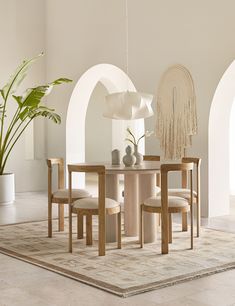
129	159
139	156
116	157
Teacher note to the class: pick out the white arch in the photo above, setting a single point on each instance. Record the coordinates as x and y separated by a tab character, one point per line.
115	80
218	151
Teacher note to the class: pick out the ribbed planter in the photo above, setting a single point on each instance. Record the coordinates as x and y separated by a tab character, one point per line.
7	188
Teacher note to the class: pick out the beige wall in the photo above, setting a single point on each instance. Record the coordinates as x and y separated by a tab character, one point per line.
83	33
22	25
80	34
197	34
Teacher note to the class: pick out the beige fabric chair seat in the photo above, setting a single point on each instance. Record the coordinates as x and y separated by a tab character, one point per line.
92	203
181	192
76	193
172	202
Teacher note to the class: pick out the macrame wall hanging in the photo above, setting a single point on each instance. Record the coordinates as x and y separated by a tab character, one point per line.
176	112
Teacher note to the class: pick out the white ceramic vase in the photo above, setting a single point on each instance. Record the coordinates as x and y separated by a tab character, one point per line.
7	188
139	156
129	159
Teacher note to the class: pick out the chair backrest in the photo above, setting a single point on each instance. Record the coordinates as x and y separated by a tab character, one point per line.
197	169
166	168
59	162
99	169
154	158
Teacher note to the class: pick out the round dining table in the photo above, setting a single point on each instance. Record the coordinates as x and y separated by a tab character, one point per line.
139	184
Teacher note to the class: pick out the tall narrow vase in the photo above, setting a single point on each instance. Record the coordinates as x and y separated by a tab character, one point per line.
139	156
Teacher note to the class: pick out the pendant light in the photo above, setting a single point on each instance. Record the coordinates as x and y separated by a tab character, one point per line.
128	105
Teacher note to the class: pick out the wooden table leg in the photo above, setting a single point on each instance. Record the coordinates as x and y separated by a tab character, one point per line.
147	184
112	181
131	204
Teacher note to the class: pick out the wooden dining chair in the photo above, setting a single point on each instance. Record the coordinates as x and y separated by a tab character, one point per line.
61	194
158	176
158	179
166	205
184	192
93	206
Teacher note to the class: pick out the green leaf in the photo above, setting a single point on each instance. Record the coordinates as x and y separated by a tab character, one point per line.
34	95
60	81
18	100
24	114
2	94
45	112
17	77
52	116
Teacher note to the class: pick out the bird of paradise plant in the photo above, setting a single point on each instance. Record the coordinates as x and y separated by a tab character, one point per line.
28	107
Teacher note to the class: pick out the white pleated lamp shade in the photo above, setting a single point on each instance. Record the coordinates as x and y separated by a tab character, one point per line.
128	105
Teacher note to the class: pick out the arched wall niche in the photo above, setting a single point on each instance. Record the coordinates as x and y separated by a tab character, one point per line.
218	150
114	80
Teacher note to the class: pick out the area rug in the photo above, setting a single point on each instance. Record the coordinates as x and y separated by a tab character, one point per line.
124	272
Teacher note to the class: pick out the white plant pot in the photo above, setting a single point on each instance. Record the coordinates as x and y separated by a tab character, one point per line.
7	188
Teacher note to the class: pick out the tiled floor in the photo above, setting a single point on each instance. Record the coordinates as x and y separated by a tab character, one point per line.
25	284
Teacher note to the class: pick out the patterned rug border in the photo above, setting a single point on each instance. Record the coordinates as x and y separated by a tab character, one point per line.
112	288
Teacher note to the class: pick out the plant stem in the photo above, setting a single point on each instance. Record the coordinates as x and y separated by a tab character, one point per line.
14	134
131	141
140	138
11	126
129	131
6	143
5	160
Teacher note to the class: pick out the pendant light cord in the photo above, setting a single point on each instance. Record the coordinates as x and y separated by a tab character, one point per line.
127	45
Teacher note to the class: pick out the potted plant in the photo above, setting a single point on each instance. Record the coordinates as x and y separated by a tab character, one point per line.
135	141
12	125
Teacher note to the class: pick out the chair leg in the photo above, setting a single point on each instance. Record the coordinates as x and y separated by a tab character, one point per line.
70	229
198	218
61	217
119	230
164	233
88	229
141	226
191	221
79	226
184	222
49	219
159	219
170	228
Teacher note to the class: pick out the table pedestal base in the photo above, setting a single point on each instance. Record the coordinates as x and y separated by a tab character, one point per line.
147	183
137	188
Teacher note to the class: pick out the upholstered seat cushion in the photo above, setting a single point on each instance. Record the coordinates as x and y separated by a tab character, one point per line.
76	193
181	192
92	203
172	202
